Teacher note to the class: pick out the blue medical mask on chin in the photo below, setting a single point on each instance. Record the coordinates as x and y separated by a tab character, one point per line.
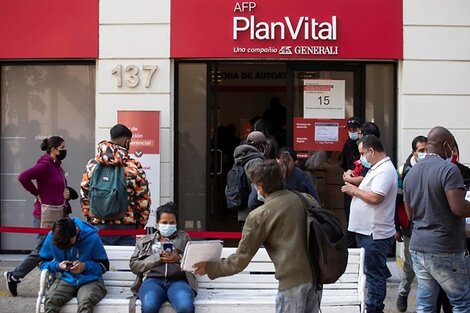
421	156
353	136
166	230
364	162
260	197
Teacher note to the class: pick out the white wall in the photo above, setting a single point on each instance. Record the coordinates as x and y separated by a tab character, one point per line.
434	86
136	33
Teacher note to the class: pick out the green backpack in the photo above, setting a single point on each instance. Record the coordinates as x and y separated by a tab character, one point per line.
108	192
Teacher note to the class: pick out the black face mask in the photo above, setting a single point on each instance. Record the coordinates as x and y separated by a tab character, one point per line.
62	154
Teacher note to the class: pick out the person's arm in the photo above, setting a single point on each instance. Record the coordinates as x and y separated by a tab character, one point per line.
98	263
348	177
33	173
458	205
409	212
253	235
85	189
140	263
47	261
369	197
141	195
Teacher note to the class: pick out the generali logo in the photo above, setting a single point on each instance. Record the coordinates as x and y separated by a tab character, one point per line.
303	27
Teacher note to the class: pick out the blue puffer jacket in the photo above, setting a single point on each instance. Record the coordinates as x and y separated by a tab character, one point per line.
87	249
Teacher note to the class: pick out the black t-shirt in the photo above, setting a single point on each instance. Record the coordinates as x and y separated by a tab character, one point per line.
350	154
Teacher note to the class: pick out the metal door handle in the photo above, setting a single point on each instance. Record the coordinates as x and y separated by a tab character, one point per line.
220	161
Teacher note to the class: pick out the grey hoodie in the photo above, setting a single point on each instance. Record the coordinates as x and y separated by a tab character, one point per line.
252	156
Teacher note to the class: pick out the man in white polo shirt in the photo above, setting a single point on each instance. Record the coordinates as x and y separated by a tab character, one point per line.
372	217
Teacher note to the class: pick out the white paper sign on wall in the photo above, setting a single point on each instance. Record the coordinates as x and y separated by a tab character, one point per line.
324	98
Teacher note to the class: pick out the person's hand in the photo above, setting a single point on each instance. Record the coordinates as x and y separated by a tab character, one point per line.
398	236
63	266
172	257
38	198
78	267
347	176
66	193
200	268
349	189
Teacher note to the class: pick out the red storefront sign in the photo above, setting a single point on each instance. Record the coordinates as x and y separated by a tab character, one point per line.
308	138
52	29
307	29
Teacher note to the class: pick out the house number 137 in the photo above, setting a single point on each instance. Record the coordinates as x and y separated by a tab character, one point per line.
132	76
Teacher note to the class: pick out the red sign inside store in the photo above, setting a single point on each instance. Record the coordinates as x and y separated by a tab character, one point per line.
306	29
319	134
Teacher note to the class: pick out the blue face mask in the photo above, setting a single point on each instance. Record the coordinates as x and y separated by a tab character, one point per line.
421	156
166	230
353	136
260	197
364	162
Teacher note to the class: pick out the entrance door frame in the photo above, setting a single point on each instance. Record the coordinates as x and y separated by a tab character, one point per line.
359	73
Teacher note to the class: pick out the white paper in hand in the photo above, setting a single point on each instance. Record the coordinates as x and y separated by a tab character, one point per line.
200	251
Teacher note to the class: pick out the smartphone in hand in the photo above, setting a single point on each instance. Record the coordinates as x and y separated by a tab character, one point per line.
68	265
168	247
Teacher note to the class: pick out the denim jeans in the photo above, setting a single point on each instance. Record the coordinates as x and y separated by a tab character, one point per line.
451	271
304	298
155	291
117	240
375	265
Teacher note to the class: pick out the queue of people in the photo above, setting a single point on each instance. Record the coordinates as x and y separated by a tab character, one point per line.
422	203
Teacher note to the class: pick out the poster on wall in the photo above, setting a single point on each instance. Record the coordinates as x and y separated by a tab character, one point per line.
145	147
319	134
324	98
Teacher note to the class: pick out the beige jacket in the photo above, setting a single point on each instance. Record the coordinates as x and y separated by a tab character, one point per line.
280	225
143	260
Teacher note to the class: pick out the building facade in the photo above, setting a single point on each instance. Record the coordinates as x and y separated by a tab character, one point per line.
187	77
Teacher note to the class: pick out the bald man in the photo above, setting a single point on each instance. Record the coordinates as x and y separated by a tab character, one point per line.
434	197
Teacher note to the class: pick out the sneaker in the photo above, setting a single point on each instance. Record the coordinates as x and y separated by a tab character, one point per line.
402	303
11	282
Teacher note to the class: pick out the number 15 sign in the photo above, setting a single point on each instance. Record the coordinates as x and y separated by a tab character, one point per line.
324	98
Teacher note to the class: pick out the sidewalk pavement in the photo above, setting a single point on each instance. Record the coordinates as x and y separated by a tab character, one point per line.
28	289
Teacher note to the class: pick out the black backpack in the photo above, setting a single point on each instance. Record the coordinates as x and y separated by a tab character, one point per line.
238	186
326	243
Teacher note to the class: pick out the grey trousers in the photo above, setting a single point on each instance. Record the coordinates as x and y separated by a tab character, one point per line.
408	273
32	260
304	298
87	296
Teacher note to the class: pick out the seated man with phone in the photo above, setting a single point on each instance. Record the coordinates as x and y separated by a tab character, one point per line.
156	262
74	249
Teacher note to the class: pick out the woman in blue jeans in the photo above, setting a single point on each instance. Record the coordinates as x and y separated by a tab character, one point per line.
156	262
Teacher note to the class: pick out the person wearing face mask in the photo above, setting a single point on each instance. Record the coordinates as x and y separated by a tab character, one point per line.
434	196
47	183
349	155
279	225
372	217
159	268
116	153
402	224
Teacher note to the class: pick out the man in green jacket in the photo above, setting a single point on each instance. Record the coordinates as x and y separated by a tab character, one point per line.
280	225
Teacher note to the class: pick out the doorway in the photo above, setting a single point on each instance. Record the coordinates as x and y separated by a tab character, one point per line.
215	102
